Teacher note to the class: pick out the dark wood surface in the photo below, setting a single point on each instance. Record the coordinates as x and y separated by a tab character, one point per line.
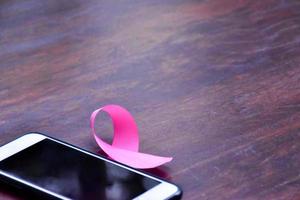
214	83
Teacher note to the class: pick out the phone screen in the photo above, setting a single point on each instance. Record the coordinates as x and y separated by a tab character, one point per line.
74	174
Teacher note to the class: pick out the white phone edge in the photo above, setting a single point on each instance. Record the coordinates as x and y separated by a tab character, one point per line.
162	191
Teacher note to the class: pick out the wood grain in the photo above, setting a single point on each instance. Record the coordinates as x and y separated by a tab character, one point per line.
214	83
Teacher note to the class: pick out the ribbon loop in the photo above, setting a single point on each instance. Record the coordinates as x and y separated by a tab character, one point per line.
125	145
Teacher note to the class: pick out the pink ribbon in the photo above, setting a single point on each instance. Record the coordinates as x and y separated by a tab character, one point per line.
125	145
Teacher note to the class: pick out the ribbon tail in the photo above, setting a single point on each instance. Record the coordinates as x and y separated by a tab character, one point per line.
132	158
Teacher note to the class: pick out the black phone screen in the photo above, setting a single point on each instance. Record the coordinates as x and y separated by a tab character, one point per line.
73	174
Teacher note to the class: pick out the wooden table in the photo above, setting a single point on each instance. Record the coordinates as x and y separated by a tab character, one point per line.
214	83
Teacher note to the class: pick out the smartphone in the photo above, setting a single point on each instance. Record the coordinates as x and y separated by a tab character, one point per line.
51	169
